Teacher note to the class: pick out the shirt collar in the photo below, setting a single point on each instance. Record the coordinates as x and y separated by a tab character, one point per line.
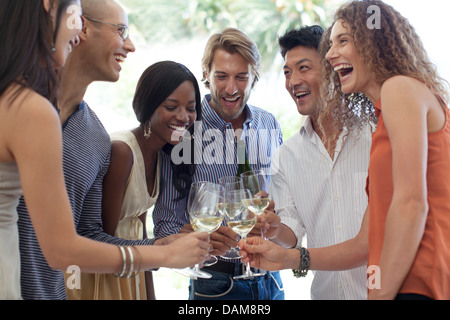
307	127
81	106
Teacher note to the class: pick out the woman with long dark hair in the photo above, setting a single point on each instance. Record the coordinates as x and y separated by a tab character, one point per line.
36	38
167	102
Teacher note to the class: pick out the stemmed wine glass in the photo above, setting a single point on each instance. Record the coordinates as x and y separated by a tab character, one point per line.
204	214
210	221
240	219
257	182
230	183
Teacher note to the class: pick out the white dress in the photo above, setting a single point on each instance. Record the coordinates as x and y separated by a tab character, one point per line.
136	201
10	192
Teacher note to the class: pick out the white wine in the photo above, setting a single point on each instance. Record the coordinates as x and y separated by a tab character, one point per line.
234	209
222	207
242	227
207	224
258	206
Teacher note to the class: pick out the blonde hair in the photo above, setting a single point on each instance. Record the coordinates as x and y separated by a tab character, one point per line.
232	41
391	50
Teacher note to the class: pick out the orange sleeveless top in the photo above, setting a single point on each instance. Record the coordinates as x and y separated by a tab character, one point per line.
430	272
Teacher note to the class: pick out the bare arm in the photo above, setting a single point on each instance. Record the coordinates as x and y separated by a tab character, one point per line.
347	255
115	184
405	113
34	140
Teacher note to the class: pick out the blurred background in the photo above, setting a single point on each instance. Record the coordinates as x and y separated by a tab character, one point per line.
178	30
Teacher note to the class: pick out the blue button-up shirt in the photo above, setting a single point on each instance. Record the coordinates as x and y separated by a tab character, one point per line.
215	157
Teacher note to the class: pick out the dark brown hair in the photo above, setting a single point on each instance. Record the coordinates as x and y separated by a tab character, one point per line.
155	85
27	37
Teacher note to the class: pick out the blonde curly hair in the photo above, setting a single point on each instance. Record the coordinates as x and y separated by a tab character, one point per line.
391	50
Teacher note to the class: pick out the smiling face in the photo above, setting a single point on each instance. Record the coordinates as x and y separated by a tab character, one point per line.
353	73
175	115
105	48
230	82
302	72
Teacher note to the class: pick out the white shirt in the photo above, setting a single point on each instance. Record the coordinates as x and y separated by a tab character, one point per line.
324	199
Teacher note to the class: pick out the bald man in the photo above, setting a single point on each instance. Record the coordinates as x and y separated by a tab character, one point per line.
104	46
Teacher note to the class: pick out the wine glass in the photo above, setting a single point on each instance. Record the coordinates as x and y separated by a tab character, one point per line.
241	220
257	182
230	183
206	219
204	215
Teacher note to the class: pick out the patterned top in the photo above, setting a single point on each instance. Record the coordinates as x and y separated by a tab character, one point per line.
86	157
215	157
324	199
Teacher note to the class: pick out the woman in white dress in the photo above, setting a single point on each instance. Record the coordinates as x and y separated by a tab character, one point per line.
167	102
36	38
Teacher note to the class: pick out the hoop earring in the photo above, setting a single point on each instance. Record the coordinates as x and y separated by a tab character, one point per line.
147	132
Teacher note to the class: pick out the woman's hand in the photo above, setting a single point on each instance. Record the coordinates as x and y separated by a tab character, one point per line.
266	255
193	248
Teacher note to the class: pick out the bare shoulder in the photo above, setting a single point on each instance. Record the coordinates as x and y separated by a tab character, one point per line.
400	85
33	116
121	152
404	92
25	114
121	160
26	106
25	118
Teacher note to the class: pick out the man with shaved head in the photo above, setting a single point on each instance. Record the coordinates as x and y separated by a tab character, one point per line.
104	46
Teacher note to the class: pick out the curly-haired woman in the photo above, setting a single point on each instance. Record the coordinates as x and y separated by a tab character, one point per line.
384	75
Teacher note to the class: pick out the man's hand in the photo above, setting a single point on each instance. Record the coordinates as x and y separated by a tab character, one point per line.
222	240
268	223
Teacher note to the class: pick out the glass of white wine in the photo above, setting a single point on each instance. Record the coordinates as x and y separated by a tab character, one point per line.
230	183
257	182
204	214
206	219
241	220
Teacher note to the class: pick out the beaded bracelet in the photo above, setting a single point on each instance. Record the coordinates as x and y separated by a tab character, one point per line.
304	264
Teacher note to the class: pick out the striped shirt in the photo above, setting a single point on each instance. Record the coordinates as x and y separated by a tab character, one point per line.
86	158
324	199
215	157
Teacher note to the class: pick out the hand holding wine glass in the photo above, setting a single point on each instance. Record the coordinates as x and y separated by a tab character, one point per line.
240	219
258	184
230	183
204	214
210	215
